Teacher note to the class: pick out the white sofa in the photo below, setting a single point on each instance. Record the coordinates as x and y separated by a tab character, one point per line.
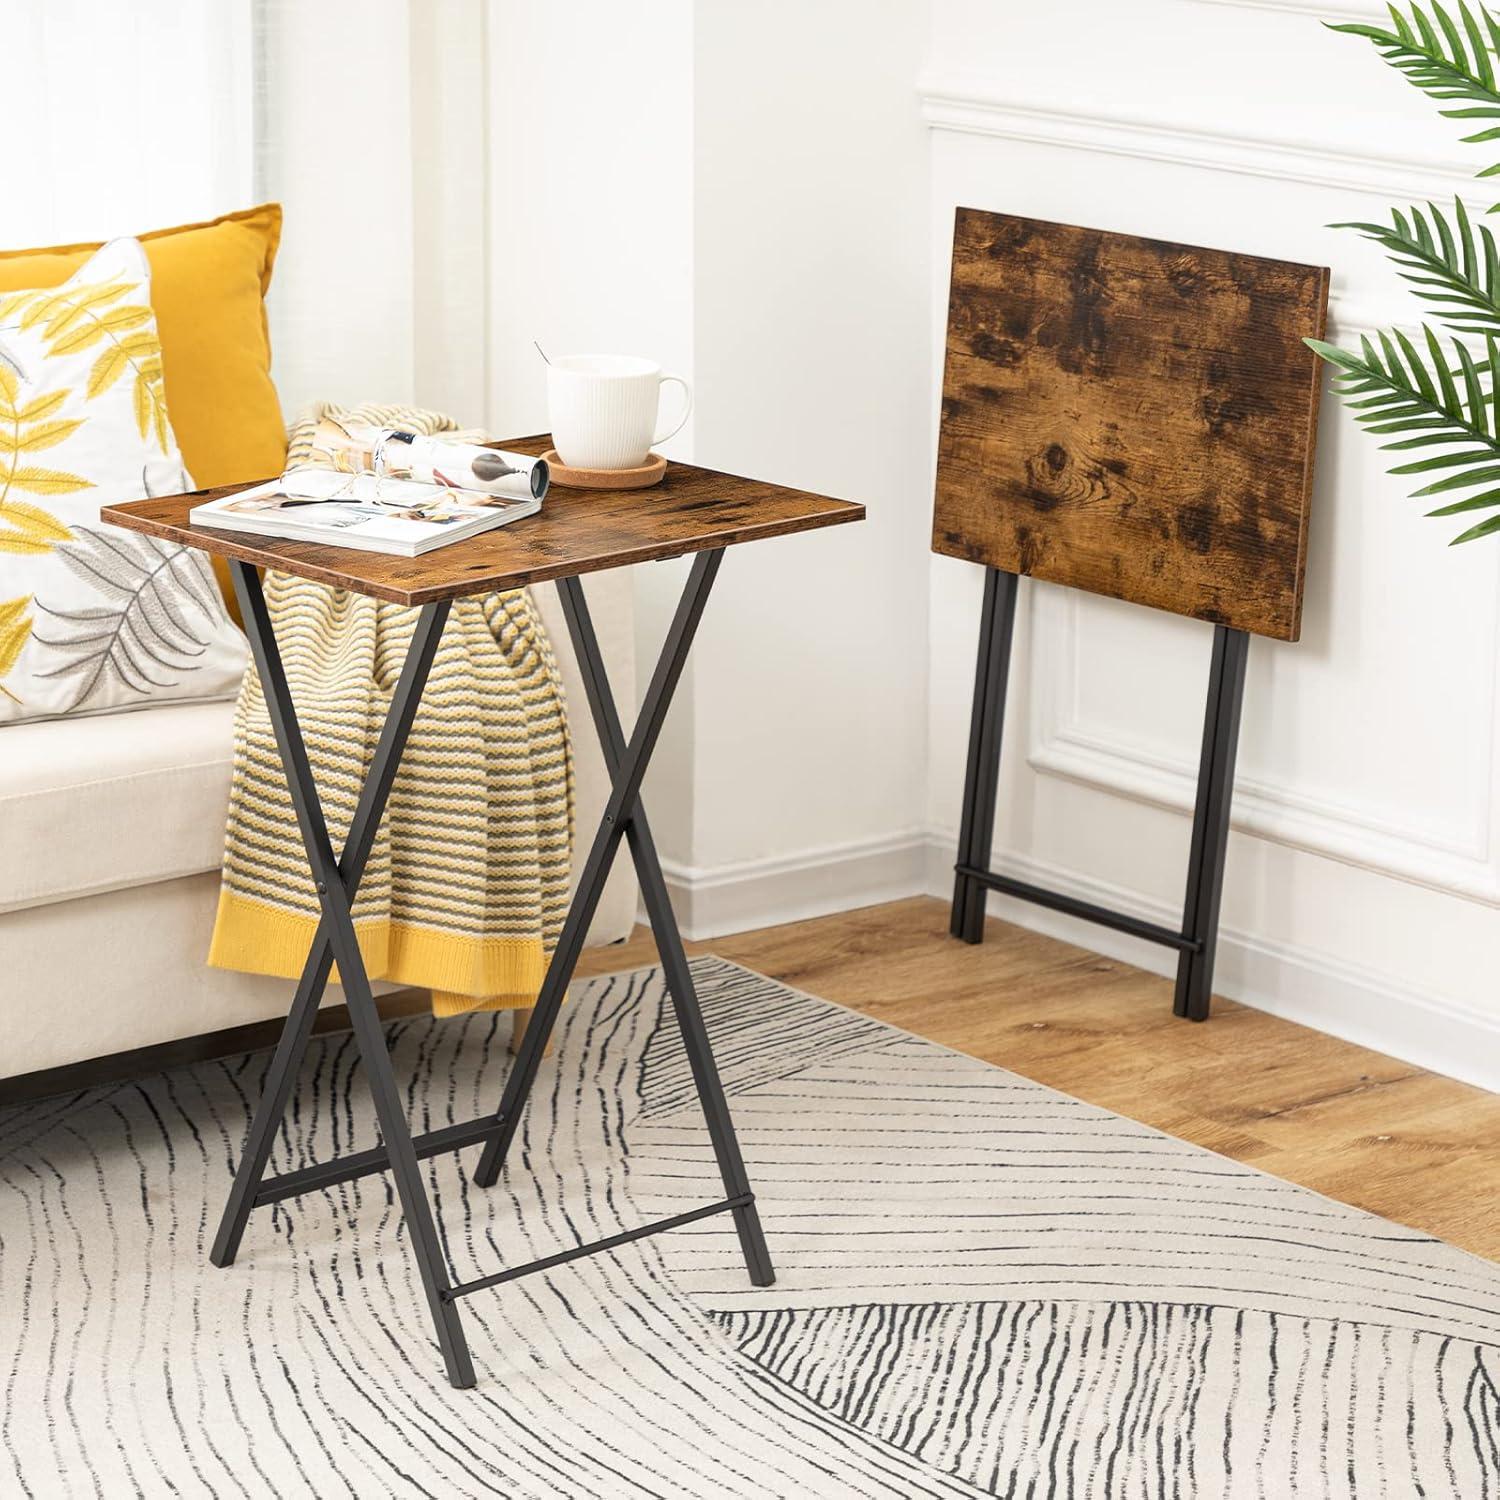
111	830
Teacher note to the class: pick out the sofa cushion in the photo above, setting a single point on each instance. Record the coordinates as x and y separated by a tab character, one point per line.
95	804
208	286
93	618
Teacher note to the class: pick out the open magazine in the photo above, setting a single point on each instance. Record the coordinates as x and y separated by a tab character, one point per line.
384	490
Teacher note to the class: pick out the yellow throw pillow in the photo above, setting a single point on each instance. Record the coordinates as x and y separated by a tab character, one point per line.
208	285
93	618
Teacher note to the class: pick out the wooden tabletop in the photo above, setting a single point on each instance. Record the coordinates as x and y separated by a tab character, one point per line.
1131	417
577	531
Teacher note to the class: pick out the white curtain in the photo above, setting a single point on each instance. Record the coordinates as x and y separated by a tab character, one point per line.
366	119
124	117
370	126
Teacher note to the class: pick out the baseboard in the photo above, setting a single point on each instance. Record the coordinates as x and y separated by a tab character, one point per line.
791	888
1311	988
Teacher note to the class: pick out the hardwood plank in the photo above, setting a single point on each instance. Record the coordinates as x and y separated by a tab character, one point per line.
577	531
1131	417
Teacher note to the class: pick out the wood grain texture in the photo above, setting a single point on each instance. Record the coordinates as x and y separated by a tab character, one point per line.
1131	417
691	510
1384	1135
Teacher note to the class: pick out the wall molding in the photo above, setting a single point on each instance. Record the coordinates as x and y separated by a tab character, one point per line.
1352	836
1311	988
1460	862
969	103
710	902
1347	10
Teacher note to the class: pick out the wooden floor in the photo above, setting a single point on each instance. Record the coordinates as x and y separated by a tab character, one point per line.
1361	1127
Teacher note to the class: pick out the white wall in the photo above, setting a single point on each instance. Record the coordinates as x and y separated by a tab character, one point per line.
450	201
825	711
372	130
590	163
334	147
712	187
810	323
1363	880
738	193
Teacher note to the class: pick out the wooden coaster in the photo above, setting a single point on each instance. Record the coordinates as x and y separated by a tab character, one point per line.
649	473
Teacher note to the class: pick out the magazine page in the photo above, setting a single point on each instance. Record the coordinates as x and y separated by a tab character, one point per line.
345	510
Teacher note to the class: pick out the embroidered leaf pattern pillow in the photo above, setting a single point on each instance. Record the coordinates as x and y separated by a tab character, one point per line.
94	618
27	427
15	627
78	318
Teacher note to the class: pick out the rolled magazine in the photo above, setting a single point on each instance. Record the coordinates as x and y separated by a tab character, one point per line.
391	453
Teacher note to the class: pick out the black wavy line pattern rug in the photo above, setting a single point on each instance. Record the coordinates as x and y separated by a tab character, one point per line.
985	1288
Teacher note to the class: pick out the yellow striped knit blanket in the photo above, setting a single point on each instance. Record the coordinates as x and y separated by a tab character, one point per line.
467	884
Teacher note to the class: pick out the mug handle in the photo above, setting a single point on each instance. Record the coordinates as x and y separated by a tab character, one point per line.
687	408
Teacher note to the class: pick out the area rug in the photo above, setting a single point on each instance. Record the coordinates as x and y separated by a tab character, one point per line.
984	1288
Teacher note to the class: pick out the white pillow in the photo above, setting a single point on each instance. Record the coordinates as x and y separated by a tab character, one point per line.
93	618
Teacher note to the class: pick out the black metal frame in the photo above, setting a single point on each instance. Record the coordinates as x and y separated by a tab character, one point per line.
1197	938
337	880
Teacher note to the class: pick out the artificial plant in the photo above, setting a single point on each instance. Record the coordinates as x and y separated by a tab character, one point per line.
1437	392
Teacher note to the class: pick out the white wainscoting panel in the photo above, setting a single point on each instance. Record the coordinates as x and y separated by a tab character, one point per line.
1446	844
1338	995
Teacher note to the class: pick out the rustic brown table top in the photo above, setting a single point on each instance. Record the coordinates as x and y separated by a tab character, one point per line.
1131	417
576	531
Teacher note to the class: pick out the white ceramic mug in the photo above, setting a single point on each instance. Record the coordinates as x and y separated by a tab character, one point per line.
603	409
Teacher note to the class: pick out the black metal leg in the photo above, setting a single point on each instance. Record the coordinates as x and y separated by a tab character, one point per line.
271	1108
1197	940
1210	842
336	884
282	1073
629	769
627	783
997	623
674	962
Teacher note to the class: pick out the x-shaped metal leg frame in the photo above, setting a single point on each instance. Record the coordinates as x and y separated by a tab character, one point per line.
337	879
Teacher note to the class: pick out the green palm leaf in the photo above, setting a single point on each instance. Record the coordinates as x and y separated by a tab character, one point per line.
1441	404
1431	399
1448	60
1452	265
